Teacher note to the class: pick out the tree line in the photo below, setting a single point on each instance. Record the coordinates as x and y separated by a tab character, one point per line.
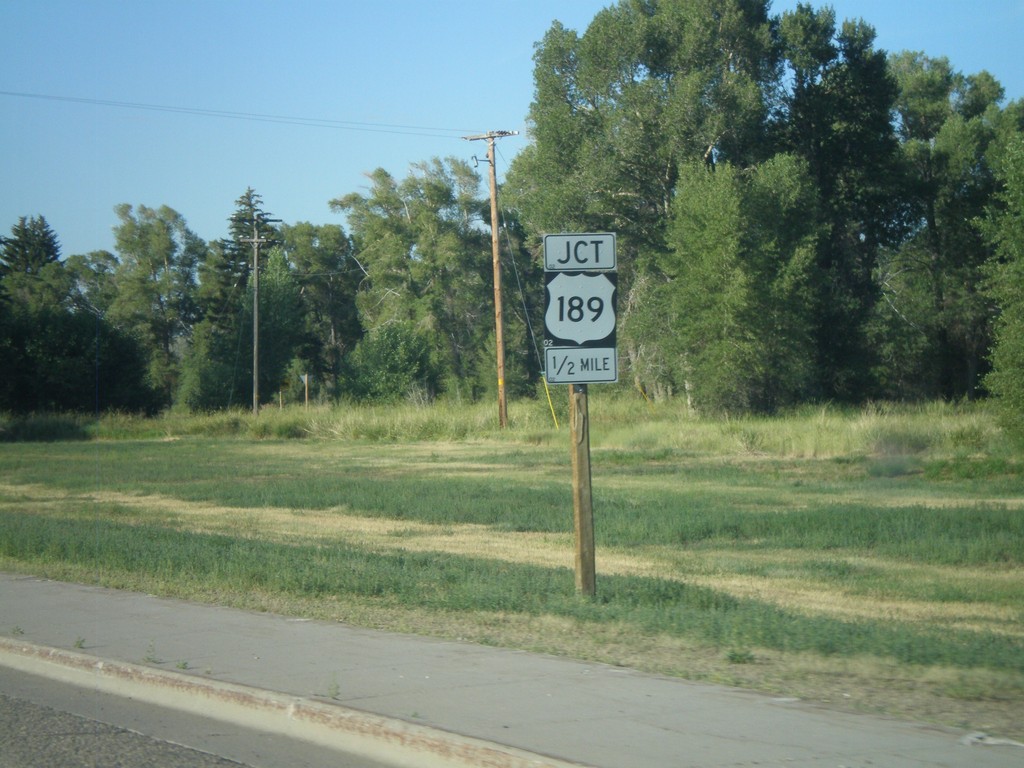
800	217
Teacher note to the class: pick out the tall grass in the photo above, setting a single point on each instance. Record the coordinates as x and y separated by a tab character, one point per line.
619	419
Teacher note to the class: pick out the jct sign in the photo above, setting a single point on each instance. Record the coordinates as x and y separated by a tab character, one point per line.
571	253
579	309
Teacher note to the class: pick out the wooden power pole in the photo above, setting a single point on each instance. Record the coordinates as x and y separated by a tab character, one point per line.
499	324
256	241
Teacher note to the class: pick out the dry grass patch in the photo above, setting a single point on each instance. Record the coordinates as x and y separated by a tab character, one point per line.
778	579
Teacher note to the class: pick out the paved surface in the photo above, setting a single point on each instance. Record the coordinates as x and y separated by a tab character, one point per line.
49	724
418	702
32	736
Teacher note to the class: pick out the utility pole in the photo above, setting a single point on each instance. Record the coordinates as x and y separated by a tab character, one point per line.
256	241
499	325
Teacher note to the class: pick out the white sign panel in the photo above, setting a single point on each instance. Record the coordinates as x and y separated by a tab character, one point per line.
580	307
586	252
581	366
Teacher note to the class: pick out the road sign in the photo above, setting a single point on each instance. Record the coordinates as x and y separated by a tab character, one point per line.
585	252
579	349
579	309
583	365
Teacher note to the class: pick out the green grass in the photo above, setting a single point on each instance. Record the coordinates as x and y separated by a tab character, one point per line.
779	553
459	584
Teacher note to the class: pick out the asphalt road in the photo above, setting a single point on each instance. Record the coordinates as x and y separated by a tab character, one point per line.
44	724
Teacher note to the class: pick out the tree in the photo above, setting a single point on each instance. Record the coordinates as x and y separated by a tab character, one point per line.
392	363
427	261
59	351
837	117
648	86
92	280
329	278
212	371
282	323
225	271
217	369
156	286
217	366
739	291
32	275
1005	230
62	360
932	282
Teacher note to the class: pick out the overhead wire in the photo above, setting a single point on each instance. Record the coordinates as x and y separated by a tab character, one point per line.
314	122
526	309
519	284
347	125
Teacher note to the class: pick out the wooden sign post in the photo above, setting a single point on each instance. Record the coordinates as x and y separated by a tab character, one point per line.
582	501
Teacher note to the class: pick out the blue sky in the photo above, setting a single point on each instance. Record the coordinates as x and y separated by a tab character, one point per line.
399	80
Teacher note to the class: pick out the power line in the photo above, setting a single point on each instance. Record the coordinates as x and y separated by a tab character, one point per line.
314	122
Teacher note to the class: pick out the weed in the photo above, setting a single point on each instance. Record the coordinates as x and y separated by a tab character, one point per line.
80	642
333	689
151	657
17	631
740	656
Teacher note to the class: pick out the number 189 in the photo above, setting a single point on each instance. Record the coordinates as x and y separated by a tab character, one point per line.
574	309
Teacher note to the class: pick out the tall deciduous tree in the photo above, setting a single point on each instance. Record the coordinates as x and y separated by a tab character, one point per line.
651	84
946	124
838	118
92	279
740	277
1006	232
650	87
156	286
427	261
329	277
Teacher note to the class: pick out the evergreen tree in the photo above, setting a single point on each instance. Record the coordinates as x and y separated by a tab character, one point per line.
225	272
32	275
217	369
